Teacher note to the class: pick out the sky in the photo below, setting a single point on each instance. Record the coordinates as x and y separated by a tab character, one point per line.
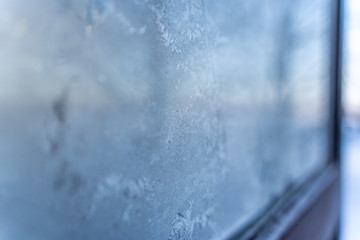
351	85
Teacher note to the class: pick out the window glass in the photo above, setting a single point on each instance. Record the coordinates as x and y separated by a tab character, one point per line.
153	119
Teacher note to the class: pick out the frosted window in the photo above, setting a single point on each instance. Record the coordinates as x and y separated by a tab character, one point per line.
156	119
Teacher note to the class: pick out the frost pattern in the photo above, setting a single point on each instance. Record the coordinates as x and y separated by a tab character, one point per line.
156	119
99	11
184	223
180	23
113	185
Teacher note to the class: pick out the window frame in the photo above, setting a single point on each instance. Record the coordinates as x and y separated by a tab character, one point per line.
310	210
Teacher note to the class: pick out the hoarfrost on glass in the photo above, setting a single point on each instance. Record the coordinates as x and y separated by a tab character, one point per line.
156	119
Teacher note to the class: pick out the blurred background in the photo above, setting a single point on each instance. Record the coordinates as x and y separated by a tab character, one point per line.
351	123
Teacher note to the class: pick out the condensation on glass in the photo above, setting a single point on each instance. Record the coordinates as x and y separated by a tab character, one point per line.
157	119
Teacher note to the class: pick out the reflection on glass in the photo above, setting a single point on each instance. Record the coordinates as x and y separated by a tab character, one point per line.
156	119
